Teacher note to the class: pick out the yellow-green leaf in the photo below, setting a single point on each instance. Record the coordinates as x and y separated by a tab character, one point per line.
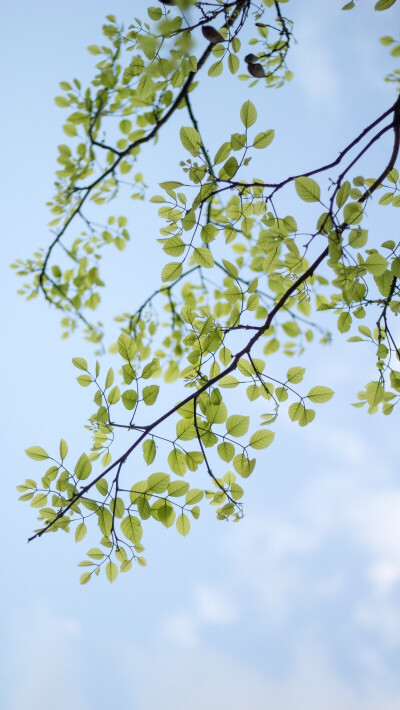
248	114
320	394
237	425
37	453
190	139
63	449
111	571
171	271
261	439
183	524
80	532
307	189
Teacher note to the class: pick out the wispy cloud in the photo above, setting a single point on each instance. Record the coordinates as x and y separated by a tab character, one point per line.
43	665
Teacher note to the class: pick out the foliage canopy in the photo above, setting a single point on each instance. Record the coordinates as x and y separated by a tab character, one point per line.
240	281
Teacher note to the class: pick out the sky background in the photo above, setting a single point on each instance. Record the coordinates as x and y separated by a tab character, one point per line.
298	605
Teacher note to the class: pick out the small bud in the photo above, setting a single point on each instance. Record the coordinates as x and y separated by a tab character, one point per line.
256	70
211	34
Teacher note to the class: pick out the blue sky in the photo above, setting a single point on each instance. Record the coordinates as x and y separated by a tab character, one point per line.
298	605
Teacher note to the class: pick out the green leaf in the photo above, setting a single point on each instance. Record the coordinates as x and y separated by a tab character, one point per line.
129	398
375	392
150	394
127	348
296	411
395	267
261	439
203	257
105	521
154	13
149	451
233	63
185	430
344	322
80	363
306	417
114	395
85	577
145	86
172	372
358	238
126	565
229	169
158	482
231	268
63	449
291	328
61	101
131	527
178	488
193	459
248	114
111	571
353	212
237	425
216	69
253	392
320	394
376	264
37	453
106	460
39	500
177	462
307	189
262	140
228	381
384	4
222	153
83	467
183	524
295	374
109	378
189	220
171	271
243	466
102	486
80	532
143	507
164	512
174	246
386	40
216	413
195	495
84	380
190	140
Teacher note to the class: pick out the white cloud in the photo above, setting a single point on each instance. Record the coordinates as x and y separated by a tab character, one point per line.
338	443
43	661
385	575
382	618
181	628
206	678
214	606
208	605
315	66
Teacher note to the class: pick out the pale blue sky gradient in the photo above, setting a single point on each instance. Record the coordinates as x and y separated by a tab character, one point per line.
298	605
